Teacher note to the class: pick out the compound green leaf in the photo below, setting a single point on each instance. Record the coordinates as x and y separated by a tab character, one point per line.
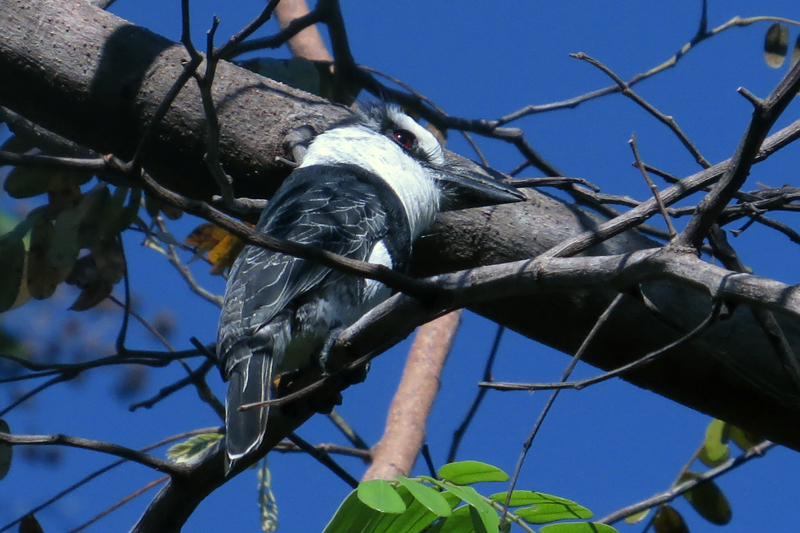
185	451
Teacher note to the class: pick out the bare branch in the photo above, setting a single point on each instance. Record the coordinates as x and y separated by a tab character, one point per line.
644	104
167	467
683	488
764	116
652	186
103	470
551	400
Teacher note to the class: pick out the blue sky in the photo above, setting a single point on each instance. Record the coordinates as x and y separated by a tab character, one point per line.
606	447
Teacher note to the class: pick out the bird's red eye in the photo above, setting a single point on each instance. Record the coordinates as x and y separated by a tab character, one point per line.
404	138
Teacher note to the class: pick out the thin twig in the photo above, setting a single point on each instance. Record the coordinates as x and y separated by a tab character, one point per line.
347	430
286	446
683	488
183	269
701	35
644	104
167	467
127	499
580	384
459	432
103	470
546	409
324	459
670	195
765	114
652	186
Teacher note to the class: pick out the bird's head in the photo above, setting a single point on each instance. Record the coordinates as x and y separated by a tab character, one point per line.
463	183
392	146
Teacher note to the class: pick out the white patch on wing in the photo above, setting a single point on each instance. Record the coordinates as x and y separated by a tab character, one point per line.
381	156
375	291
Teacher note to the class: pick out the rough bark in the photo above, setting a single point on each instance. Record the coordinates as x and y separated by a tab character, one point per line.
97	80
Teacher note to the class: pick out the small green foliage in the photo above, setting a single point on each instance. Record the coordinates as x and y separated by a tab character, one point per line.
469	472
185	451
430	505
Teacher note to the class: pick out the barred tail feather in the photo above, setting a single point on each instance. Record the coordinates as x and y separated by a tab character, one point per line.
249	383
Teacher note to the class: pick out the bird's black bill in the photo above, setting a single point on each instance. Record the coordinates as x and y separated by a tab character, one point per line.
466	184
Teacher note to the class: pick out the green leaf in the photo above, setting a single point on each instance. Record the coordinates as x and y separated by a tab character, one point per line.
469	472
26	182
529	497
743	439
545	512
185	451
776	44
64	251
42	277
429	497
460	522
380	495
577	527
487	514
715	451
5	451
352	515
413	520
668	520
708	500
638	517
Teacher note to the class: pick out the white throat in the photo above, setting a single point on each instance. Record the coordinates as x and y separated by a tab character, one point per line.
358	145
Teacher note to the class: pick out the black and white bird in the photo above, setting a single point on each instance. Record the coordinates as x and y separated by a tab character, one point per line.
366	189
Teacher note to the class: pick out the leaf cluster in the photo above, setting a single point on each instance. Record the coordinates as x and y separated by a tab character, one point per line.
449	504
